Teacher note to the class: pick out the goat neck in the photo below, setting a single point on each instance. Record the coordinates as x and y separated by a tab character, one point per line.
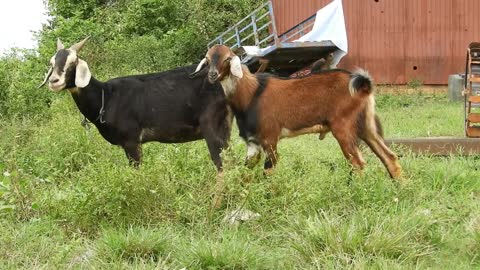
89	99
240	91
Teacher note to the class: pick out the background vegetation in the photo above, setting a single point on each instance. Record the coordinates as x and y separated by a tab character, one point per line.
68	199
128	37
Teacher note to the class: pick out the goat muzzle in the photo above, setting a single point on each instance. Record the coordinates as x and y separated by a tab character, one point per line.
212	76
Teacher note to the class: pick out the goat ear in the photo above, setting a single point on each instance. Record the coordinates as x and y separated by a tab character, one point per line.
236	67
59	45
83	75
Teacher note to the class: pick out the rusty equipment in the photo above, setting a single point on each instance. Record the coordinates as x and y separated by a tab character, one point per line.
471	91
444	146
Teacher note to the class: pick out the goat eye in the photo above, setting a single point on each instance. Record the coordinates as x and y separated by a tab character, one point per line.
228	59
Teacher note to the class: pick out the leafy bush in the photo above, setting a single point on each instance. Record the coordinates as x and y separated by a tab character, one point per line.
128	37
20	75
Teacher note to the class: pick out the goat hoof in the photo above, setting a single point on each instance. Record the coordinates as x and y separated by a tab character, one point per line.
322	135
268	172
397	173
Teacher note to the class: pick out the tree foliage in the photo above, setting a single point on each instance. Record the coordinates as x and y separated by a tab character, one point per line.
127	37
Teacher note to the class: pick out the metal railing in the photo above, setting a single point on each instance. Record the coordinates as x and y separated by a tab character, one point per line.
298	30
258	29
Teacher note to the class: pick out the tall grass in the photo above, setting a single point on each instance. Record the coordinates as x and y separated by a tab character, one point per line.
68	199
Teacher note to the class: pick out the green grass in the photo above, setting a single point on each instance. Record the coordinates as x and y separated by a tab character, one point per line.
70	200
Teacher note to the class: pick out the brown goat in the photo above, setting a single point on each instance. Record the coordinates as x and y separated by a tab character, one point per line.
268	108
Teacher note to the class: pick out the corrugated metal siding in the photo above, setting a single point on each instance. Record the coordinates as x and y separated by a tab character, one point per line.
399	40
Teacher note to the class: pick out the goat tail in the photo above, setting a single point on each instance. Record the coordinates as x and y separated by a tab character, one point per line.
360	81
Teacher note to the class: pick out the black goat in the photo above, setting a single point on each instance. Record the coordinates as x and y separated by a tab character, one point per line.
168	107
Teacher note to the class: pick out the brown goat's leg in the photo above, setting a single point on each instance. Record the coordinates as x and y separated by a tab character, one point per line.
254	152
371	132
272	157
388	158
352	153
350	150
133	150
360	159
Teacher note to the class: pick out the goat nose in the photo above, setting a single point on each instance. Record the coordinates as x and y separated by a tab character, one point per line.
54	80
213	75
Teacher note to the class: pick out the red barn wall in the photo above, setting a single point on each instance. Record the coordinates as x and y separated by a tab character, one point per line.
398	40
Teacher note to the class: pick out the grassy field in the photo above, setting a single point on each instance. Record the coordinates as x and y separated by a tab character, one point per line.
68	199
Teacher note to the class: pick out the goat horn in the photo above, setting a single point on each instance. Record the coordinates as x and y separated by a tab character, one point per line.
77	46
59	45
46	77
201	64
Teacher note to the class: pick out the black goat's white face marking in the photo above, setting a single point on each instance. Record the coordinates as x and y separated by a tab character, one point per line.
63	63
67	70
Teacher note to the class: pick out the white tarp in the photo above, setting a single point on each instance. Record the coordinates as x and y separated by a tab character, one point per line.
330	25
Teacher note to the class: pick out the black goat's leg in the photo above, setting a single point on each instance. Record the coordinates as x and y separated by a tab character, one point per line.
215	125
219	189
216	142
215	146
216	131
133	150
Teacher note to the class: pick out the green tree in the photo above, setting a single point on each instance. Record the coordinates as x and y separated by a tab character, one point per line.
127	37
